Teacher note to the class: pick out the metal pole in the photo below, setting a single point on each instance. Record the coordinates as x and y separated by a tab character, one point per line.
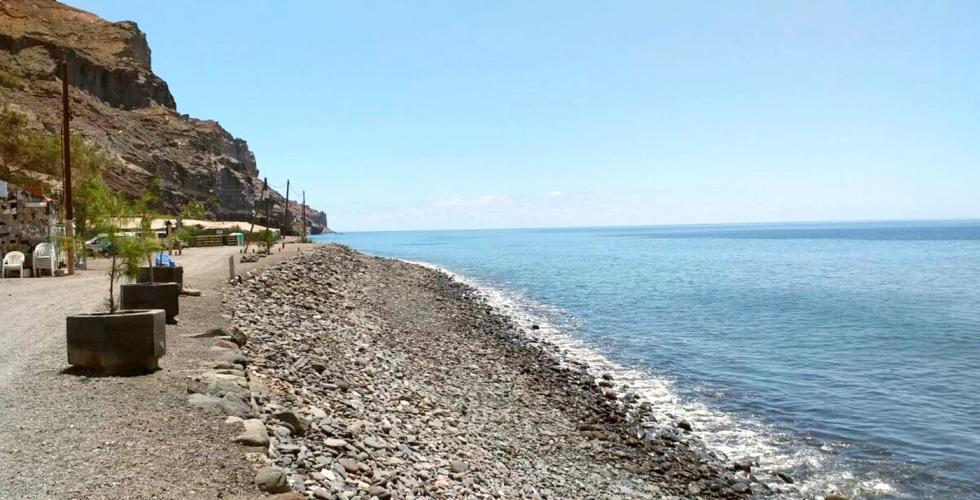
251	228
304	217
66	151
285	215
268	206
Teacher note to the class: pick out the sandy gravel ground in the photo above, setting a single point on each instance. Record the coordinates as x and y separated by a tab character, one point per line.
69	436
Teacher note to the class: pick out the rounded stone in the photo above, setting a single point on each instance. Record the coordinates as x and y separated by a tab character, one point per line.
271	480
334	443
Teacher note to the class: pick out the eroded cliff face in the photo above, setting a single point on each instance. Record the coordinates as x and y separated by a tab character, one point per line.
120	104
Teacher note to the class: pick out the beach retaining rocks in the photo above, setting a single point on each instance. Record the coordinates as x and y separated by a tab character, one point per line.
272	480
382	378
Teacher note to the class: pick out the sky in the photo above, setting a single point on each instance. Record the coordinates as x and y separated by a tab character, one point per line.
449	114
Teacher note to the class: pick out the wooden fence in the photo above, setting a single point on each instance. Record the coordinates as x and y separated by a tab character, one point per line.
209	240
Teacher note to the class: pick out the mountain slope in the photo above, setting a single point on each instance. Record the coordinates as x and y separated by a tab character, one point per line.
118	103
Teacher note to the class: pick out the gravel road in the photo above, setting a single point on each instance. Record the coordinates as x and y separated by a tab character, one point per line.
69	436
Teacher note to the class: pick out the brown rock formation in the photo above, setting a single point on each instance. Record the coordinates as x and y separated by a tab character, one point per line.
120	104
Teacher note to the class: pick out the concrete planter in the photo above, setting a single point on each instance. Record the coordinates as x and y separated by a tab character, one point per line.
162	275
117	343
152	296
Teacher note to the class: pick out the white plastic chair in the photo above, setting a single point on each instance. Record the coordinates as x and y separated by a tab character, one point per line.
12	261
43	259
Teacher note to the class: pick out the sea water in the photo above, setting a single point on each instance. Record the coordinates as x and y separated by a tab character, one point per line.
846	355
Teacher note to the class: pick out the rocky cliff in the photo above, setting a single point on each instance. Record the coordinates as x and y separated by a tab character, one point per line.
119	103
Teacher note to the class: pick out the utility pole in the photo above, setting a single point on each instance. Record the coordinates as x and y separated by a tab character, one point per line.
268	206
304	217
66	151
251	228
285	215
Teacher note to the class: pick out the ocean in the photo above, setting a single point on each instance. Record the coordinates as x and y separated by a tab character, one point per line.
846	355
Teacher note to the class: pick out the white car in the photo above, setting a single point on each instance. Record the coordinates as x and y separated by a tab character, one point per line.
96	245
100	243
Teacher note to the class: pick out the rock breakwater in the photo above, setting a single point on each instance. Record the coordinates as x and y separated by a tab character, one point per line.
380	378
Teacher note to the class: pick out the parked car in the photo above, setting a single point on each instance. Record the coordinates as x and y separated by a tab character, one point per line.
96	245
101	245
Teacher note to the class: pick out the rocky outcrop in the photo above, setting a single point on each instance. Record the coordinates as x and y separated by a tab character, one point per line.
110	61
120	104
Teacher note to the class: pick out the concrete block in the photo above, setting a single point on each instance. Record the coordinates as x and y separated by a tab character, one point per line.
164	296
123	342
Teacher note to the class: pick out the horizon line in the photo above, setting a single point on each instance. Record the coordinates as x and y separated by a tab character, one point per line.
675	225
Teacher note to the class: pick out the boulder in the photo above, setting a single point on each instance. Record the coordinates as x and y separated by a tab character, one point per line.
237	335
271	480
228	389
294	421
253	434
225	344
222	406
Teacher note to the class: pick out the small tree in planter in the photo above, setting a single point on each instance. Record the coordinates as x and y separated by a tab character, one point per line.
151	273
117	341
146	292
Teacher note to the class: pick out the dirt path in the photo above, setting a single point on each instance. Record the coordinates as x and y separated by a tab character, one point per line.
68	436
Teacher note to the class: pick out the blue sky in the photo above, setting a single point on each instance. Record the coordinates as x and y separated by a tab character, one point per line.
451	114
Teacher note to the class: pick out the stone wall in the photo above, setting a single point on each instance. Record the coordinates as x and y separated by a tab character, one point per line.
26	218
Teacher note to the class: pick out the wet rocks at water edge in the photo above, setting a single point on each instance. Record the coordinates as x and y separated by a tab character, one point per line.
379	378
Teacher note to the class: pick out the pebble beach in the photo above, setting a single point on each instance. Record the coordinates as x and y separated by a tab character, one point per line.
380	378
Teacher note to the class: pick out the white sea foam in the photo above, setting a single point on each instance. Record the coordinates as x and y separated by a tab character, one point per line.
717	432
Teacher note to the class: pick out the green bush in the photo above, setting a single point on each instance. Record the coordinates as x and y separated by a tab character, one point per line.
24	150
186	234
193	210
268	238
10	80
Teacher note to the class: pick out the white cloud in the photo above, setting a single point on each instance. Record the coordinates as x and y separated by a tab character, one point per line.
475	201
555	194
